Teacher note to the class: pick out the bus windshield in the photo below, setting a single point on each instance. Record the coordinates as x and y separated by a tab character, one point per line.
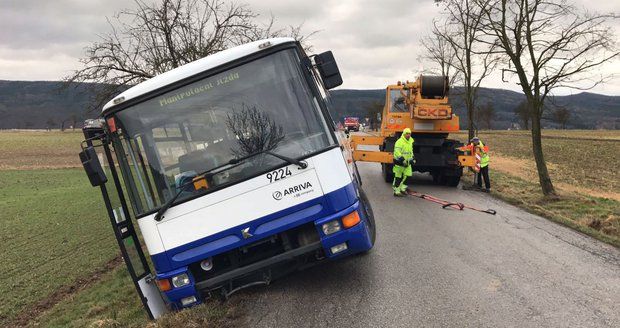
264	105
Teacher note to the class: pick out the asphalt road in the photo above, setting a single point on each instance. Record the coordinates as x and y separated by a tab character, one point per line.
443	268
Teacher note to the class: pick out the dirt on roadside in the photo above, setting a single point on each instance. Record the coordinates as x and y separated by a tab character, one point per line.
31	150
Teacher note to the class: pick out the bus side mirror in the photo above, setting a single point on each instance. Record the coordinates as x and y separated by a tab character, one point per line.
92	166
326	64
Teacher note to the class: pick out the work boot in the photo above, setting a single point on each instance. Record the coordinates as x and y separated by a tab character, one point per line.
486	190
398	194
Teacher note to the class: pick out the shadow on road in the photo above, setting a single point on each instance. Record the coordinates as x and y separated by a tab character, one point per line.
329	276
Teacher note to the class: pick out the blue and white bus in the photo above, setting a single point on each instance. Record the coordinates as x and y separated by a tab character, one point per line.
233	170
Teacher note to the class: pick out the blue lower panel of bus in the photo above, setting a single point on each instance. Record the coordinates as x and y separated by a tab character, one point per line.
332	206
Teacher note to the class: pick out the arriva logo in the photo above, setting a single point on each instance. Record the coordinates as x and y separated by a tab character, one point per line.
278	195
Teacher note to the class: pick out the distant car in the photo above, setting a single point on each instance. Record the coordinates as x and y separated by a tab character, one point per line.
352	123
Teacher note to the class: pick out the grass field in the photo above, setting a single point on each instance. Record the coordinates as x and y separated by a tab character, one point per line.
595	216
57	239
61	264
589	164
39	149
54	231
112	303
584	169
60	261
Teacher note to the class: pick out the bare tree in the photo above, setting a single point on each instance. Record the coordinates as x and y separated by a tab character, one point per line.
523	114
62	124
550	44
155	38
74	120
373	112
486	115
561	115
49	124
473	60
256	131
439	52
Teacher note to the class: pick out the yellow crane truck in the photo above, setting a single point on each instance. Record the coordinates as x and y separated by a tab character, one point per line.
423	107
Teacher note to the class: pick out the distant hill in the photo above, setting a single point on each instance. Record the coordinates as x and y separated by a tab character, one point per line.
41	104
588	110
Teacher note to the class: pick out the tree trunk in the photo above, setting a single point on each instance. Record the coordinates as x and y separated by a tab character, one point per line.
470	116
470	126
541	165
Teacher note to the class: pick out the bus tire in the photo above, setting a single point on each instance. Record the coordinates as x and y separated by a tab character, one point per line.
370	217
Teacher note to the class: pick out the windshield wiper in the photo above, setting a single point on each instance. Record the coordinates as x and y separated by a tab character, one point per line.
290	160
203	175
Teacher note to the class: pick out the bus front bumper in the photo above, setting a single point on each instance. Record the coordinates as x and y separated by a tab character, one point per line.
343	243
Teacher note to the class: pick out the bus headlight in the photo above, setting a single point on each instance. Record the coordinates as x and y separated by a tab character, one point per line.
180	280
331	227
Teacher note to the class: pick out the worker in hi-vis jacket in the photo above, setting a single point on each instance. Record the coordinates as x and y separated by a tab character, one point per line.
484	164
403	162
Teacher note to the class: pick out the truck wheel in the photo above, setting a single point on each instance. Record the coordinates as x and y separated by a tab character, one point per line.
388	146
452	177
367	208
436	176
388	174
453	181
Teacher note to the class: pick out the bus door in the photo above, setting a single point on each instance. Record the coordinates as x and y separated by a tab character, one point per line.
96	151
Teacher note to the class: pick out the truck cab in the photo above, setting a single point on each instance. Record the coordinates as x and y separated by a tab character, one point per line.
423	107
352	124
234	171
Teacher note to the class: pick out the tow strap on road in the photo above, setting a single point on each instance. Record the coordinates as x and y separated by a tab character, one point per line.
448	204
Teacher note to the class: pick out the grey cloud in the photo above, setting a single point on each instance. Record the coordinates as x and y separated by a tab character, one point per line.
39	24
290	13
375	41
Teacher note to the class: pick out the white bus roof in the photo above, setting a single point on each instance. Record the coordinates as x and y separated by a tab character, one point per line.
193	68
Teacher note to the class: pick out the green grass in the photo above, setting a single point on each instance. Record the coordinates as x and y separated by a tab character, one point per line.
56	234
54	230
111	302
597	217
581	164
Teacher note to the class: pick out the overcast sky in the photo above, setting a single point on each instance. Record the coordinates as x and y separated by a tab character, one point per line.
376	42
